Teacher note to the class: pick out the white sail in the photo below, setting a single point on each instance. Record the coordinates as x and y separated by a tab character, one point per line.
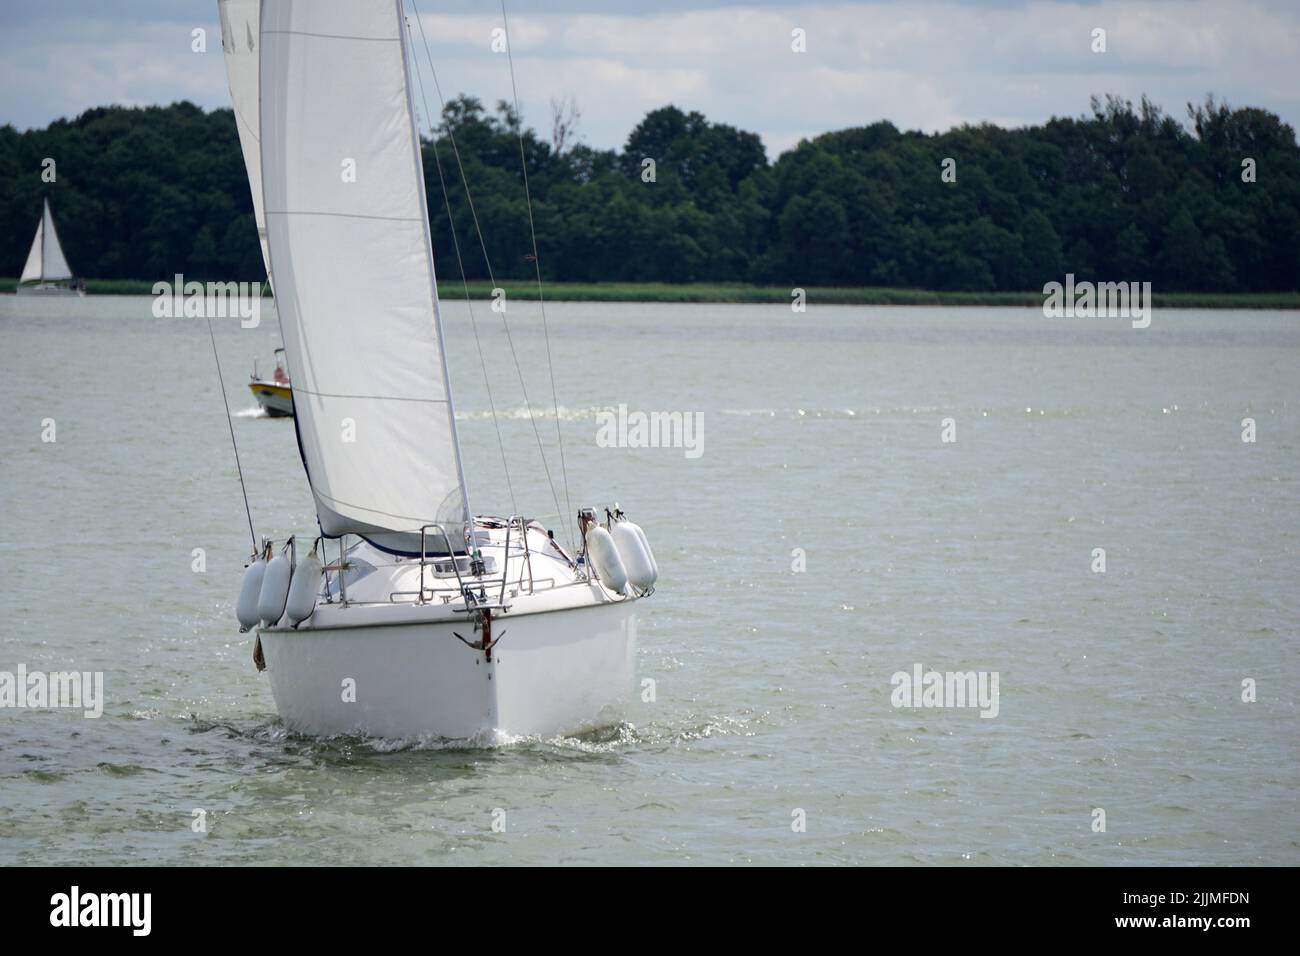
32	270
54	266
239	32
350	248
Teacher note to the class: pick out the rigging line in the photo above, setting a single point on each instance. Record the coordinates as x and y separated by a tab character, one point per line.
233	444
537	262
460	263
488	261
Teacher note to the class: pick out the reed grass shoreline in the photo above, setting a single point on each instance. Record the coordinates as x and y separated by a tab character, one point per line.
708	292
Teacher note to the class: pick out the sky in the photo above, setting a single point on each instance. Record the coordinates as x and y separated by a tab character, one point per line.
920	64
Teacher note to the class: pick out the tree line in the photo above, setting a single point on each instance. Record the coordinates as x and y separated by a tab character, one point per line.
1123	193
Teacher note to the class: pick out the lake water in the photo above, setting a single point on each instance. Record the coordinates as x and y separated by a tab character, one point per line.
823	432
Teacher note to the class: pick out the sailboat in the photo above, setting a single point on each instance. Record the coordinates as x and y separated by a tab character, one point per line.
428	620
47	271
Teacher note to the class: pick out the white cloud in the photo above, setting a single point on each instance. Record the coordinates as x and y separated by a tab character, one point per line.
72	65
926	65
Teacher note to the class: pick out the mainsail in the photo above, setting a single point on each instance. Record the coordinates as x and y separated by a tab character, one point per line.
45	262
239	41
348	234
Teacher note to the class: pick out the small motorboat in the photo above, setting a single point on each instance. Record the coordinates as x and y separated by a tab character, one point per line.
274	395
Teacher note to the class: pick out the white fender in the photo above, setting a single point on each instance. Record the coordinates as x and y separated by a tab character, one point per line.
640	569
603	555
250	589
304	589
275	590
645	543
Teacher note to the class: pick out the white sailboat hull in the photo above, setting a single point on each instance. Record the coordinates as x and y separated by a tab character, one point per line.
49	288
557	672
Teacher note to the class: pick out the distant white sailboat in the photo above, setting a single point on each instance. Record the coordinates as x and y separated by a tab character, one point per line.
47	271
432	621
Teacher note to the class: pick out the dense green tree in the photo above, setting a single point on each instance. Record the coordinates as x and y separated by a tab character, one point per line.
1122	193
1042	250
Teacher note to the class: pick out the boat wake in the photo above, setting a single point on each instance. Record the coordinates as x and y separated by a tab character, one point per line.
800	412
615	738
525	413
255	412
